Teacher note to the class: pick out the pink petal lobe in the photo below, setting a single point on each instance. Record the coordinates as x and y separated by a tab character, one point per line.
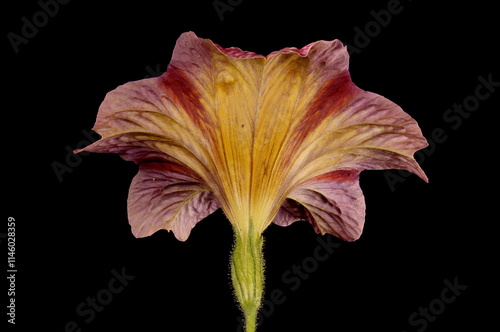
378	134
333	203
166	196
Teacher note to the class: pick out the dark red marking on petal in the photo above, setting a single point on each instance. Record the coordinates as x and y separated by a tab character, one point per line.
331	98
166	166
184	94
340	175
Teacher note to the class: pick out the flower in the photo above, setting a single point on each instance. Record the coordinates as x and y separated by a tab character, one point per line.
274	138
278	139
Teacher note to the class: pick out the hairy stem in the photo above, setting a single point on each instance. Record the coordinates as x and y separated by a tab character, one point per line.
247	274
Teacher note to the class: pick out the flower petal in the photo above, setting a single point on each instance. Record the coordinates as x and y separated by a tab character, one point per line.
166	196
332	124
333	203
313	120
370	132
254	130
199	114
139	121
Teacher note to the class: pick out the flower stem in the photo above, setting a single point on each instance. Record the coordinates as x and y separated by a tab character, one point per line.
247	274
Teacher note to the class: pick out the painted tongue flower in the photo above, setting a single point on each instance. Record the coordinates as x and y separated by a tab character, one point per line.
274	138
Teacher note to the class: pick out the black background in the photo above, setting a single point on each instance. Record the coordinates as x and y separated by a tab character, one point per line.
71	234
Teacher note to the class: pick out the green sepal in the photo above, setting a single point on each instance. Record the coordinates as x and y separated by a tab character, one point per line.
247	273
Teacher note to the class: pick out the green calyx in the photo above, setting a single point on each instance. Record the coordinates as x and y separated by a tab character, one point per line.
247	274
